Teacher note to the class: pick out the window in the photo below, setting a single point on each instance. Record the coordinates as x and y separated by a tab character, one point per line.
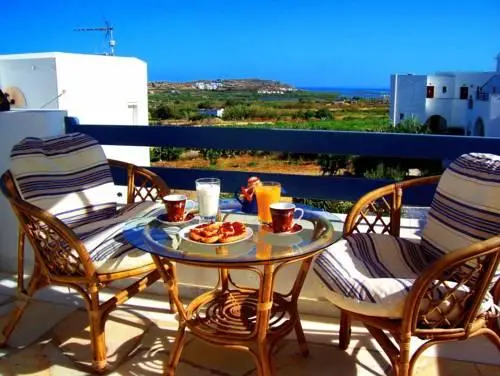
494	90
464	92
401	116
132	114
430	91
445	89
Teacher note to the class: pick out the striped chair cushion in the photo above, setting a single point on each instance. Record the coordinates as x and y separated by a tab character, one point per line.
371	274
466	206
69	176
105	241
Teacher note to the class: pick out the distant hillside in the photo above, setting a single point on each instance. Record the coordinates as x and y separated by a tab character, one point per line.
243	84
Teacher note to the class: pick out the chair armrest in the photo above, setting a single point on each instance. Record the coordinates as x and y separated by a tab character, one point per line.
450	291
382	202
141	182
57	248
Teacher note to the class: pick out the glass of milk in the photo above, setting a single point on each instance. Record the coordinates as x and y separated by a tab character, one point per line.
208	192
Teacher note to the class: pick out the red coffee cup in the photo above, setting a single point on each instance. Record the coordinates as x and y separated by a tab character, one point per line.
175	205
282	214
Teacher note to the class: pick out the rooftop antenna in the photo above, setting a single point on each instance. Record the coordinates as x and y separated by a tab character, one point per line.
109	35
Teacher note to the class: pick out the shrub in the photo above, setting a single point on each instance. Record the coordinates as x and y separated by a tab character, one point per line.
165	153
212	155
205	105
154	154
171	154
164	112
239	112
386	172
324	114
309	114
332	206
232	102
331	164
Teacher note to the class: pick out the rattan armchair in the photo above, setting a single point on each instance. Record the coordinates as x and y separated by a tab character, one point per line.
62	258
451	298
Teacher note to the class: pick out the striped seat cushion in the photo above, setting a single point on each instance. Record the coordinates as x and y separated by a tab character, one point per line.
466	206
105	241
370	274
68	176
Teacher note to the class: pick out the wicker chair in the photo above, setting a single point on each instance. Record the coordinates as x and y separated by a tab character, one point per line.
443	288
79	246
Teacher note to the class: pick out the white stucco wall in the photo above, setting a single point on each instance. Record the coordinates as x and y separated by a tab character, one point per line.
97	89
458	116
36	78
440	82
410	100
105	90
14	126
492	119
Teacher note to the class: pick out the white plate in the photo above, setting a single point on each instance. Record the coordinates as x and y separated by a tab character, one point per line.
184	234
182	223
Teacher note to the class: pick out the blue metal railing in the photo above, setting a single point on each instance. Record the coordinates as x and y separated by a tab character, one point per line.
483	96
293	141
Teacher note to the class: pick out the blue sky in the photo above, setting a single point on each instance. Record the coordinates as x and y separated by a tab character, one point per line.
348	43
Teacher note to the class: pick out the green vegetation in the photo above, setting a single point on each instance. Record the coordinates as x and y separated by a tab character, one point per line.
184	105
291	110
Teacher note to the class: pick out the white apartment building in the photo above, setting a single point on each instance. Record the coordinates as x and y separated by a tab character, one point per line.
467	100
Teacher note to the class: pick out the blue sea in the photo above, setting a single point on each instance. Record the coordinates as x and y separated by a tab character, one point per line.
351	92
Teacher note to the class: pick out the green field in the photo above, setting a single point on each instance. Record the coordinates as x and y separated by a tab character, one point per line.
301	109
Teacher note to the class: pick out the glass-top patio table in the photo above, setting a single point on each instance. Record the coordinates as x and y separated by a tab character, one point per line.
240	317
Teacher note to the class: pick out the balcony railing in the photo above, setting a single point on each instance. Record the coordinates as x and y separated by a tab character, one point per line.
293	141
483	97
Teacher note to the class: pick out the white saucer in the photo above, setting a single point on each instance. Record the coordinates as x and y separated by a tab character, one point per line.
181	223
288	233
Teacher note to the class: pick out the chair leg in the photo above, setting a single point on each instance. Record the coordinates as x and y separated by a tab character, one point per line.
345	330
36	282
301	338
403	367
97	334
493	337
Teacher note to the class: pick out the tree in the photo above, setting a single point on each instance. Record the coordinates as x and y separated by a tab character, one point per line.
324	114
205	105
165	112
309	114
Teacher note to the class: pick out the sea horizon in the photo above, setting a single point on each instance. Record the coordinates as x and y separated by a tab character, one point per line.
348	91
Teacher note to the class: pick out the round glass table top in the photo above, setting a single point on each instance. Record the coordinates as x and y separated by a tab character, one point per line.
260	247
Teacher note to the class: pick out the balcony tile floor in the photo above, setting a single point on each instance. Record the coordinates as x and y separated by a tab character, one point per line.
53	339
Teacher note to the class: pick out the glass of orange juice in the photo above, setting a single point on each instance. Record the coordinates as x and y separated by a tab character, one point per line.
267	193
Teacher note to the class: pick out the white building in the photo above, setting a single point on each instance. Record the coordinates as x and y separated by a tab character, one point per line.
467	100
94	88
207	85
218	112
48	86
